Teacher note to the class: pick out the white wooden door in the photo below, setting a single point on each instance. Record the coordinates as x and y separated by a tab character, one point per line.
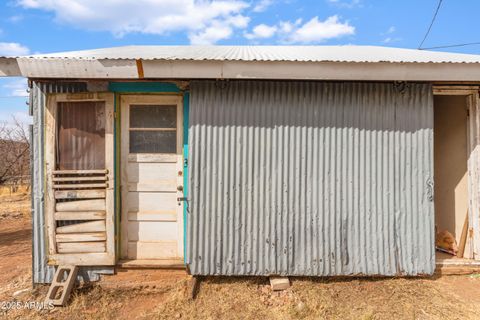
151	170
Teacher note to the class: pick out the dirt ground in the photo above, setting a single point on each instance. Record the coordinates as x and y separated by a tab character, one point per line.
160	294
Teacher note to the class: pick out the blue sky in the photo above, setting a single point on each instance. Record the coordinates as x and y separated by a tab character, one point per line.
41	26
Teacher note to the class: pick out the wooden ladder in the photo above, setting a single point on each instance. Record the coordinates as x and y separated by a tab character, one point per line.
62	282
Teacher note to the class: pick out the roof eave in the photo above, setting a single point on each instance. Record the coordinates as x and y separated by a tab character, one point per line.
191	69
9	67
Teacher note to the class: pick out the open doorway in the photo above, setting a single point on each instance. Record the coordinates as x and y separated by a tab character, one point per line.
451	171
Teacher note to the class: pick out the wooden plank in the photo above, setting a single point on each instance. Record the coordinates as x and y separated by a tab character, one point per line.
82	259
109	164
124	176
154	215
475	217
454	90
473	131
179	194
180	205
152	129
152	157
151	201
80	194
149	231
80	247
459	270
91	226
81	237
80	215
143	99
152	186
149	172
102	171
152	250
50	134
463	238
80	186
152	263
81	205
279	283
79	178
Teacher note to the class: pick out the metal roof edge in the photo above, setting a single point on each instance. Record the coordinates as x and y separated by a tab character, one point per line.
338	53
215	69
9	67
56	59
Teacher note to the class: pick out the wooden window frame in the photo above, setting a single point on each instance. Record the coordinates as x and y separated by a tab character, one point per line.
80	259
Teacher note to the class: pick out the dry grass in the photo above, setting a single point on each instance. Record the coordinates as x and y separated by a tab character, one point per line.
165	295
7	190
310	298
14	205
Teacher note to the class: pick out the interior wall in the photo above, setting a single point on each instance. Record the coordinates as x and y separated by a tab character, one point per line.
450	166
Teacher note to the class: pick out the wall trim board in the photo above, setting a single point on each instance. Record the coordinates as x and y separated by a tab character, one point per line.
186	109
143	87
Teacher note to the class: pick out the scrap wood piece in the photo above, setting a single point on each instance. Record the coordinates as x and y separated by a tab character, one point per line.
463	238
90	226
279	283
59	283
195	287
445	250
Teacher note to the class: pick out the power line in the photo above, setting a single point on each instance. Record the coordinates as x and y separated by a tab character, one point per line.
431	23
451	46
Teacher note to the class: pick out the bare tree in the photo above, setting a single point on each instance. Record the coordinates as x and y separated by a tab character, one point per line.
14	152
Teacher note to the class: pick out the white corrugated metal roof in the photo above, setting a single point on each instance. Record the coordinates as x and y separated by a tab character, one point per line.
348	53
358	63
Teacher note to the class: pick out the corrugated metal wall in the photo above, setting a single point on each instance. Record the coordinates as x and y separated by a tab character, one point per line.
310	178
42	272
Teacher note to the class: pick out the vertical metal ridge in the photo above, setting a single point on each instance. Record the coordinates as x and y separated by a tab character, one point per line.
310	178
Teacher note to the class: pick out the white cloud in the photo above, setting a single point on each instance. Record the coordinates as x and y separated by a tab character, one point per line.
389	37
197	18
287	26
312	31
318	31
262	31
390	30
13	49
391	40
16	87
238	21
211	34
15	18
346	4
262	5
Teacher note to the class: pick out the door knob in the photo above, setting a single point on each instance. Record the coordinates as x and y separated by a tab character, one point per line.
179	188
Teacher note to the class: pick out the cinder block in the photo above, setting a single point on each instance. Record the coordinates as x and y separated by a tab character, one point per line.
279	283
59	283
